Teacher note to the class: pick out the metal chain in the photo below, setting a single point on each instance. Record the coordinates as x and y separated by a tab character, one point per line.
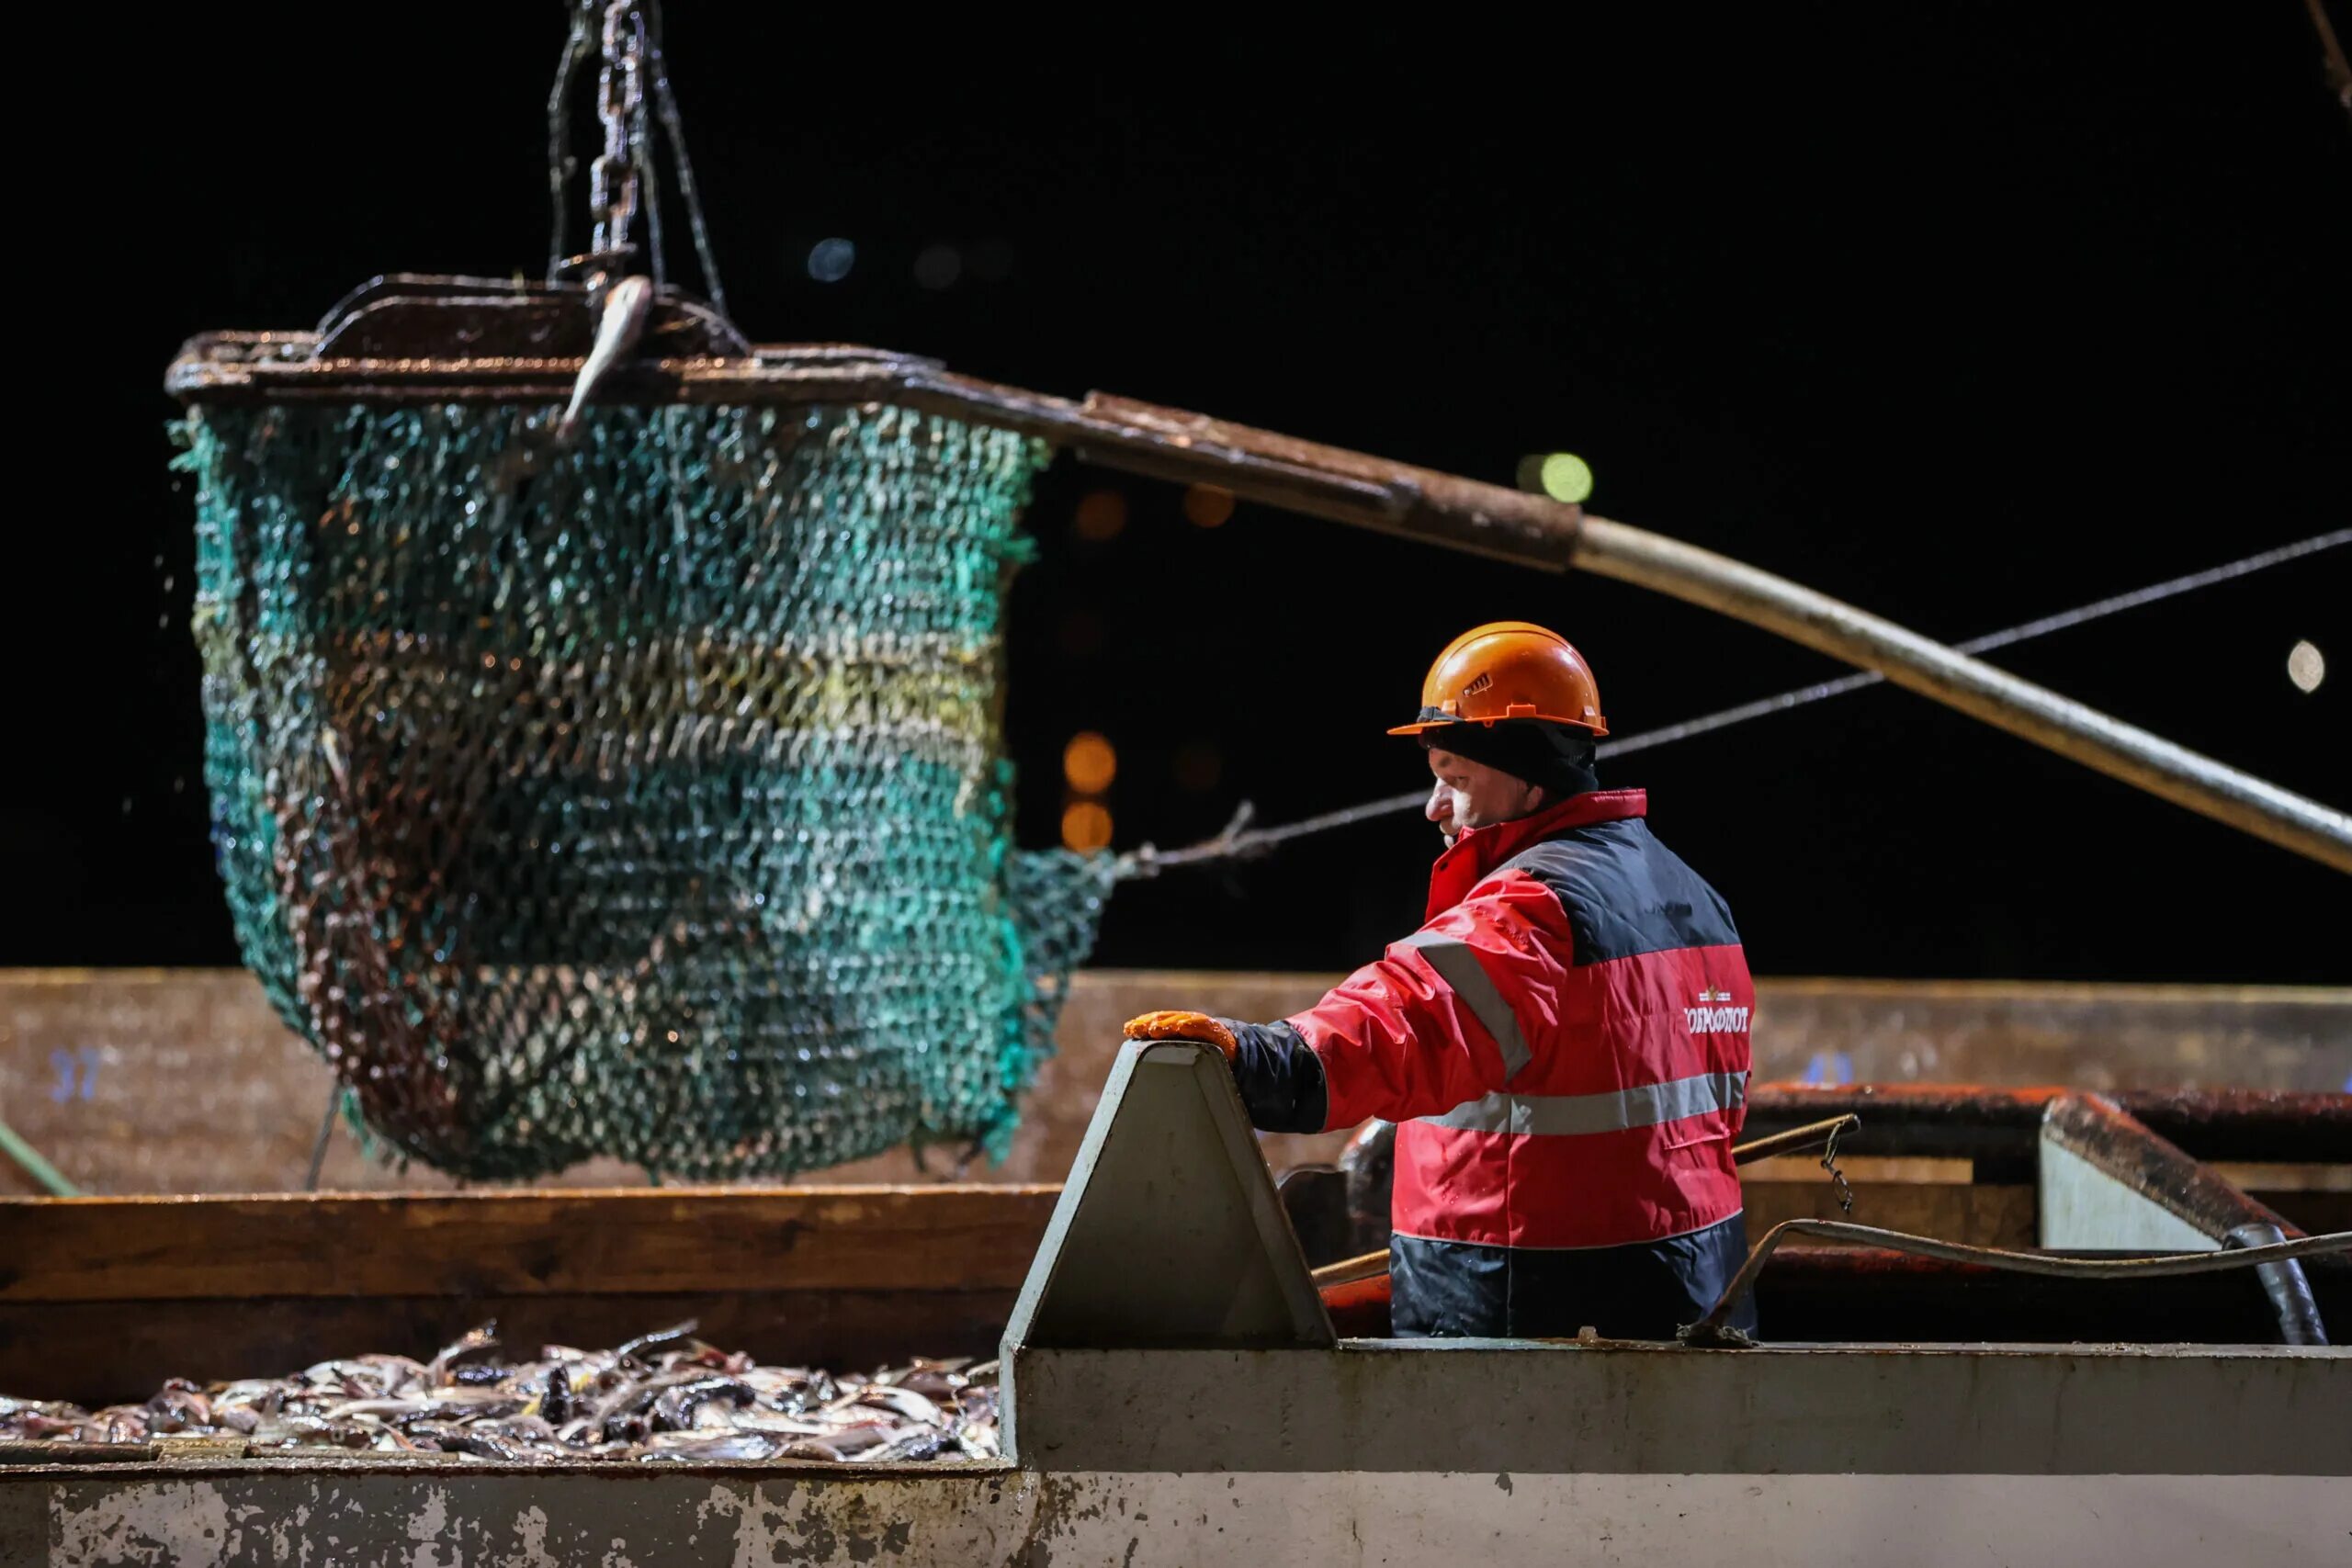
612	190
634	95
1837	1176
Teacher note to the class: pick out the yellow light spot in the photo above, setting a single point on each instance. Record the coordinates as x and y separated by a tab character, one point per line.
1566	477
1208	506
2306	667
1102	514
1089	764
1086	825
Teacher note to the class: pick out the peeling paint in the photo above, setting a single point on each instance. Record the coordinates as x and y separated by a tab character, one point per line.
1154	1519
530	1542
183	1524
427	1525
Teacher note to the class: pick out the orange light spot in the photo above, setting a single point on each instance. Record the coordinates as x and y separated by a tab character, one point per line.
1102	515
1089	764
1086	825
1208	506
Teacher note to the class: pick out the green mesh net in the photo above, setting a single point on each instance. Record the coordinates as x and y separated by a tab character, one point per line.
640	796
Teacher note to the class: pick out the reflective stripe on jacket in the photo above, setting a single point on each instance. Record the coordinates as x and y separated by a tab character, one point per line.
1564	1044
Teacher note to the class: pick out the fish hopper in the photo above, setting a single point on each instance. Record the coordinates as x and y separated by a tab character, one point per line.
1177	1390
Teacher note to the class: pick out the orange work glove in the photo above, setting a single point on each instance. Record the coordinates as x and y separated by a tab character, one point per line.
1197	1026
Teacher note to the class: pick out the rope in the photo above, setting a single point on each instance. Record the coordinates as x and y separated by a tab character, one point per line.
326	1132
1712	1328
39	1170
1238	842
665	104
567	77
640	136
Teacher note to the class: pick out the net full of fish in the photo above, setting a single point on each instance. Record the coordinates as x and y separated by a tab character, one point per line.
662	1396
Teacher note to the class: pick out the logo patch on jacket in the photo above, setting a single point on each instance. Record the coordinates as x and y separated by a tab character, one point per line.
1710	1017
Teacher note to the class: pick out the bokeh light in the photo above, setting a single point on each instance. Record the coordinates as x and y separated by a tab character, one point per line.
1102	514
829	260
1207	506
1086	825
1089	764
2306	667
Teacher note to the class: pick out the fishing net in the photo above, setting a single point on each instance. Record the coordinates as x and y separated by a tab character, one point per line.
641	794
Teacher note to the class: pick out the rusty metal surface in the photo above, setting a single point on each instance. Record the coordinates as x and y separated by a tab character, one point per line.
1083	1519
1823	1134
1983	1121
2248	1123
530	353
2092	1134
2100	1132
408	317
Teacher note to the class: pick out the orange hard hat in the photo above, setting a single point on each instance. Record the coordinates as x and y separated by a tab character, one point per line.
1509	670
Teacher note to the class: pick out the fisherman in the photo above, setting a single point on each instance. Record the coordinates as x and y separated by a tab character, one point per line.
1563	1044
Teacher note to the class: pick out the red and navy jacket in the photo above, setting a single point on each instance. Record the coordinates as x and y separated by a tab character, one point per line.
1563	1045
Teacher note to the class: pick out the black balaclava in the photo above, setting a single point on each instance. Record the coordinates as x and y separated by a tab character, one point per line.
1555	756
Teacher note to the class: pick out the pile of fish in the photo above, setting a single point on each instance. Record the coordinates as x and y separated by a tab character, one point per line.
666	1395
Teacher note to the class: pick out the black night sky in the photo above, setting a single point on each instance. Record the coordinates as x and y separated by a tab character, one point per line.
1965	314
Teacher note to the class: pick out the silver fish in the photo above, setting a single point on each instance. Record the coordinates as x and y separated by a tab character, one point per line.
627	307
662	1396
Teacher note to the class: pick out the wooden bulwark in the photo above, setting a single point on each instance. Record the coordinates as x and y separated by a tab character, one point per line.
631	1242
103	1298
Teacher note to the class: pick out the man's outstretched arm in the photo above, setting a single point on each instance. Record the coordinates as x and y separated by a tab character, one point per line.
1430	1024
